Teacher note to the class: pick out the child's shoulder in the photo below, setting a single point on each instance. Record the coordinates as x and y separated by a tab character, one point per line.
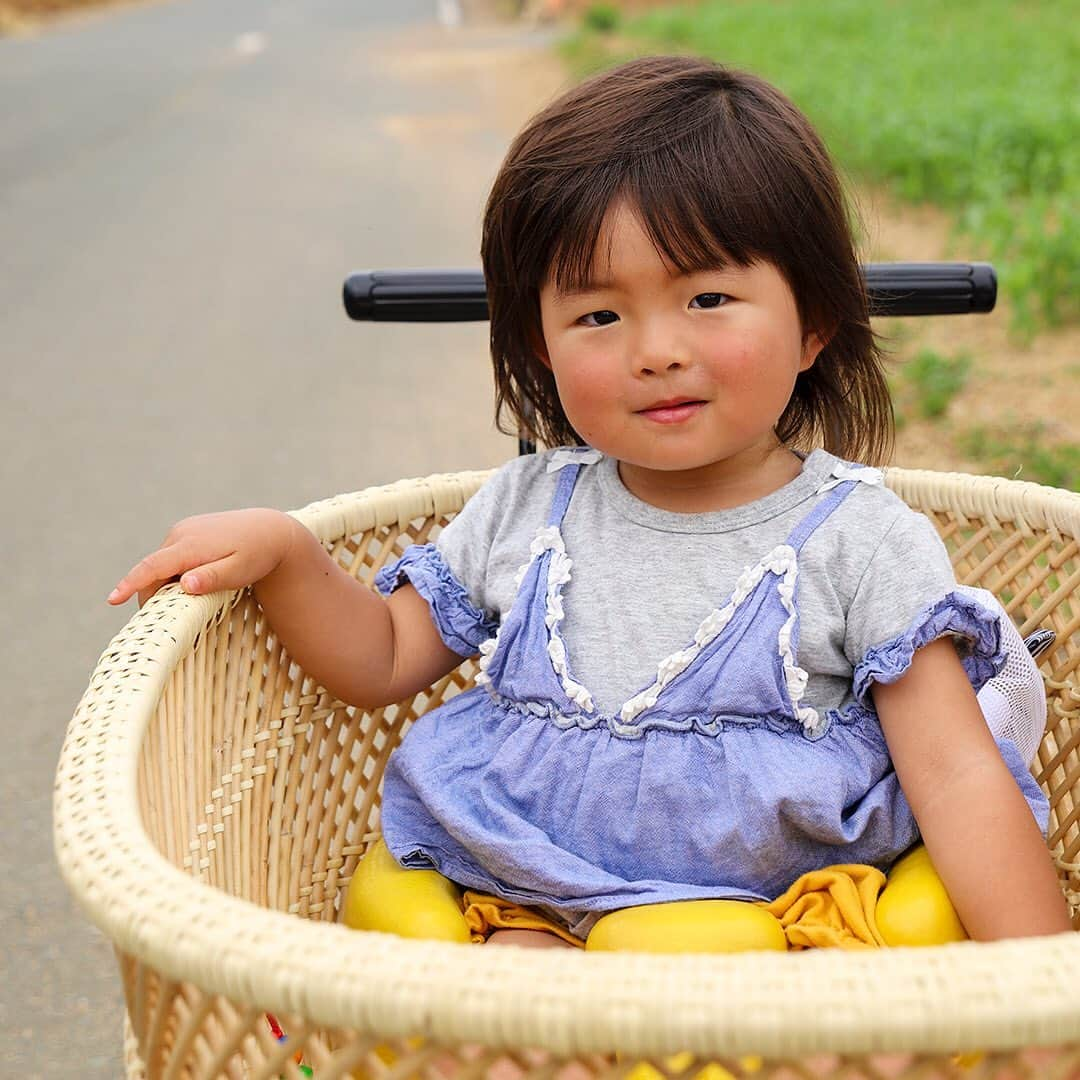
871	493
873	514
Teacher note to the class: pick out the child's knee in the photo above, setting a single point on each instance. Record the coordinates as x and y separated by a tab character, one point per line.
410	903
688	926
914	908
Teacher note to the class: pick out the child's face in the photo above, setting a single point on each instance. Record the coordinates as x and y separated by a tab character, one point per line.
673	373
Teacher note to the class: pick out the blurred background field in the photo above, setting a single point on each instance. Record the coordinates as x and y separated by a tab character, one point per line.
958	127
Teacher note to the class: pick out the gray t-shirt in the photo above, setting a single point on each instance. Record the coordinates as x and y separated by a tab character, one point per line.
643	578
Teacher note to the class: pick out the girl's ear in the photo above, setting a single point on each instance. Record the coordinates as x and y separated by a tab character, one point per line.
813	343
539	347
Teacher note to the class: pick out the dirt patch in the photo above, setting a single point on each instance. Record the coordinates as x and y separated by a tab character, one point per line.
24	16
1016	390
45	8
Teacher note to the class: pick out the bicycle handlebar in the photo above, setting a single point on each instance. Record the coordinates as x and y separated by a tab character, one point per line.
461	296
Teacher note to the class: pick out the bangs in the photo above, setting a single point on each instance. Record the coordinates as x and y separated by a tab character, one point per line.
703	199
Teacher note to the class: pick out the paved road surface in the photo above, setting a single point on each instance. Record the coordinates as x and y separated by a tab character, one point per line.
183	186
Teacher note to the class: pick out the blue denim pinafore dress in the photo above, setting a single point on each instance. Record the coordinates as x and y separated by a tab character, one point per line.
713	781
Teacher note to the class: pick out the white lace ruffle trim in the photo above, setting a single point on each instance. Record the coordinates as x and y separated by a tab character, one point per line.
547	539
782	560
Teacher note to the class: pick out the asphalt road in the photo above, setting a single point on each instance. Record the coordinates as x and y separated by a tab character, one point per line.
183	186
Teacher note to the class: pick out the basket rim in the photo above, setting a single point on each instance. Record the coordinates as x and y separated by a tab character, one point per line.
997	995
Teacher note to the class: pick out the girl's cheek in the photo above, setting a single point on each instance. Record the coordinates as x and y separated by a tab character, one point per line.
596	400
586	408
587	379
739	362
580	408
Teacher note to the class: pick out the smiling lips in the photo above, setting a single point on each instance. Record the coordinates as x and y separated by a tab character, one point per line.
674	411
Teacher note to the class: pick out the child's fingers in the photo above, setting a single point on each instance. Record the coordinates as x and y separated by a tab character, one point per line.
149	574
223	573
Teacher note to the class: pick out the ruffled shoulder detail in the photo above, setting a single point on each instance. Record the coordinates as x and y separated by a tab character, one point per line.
575	455
844	471
461	625
954	614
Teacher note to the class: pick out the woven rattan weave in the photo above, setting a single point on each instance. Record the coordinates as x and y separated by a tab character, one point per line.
212	803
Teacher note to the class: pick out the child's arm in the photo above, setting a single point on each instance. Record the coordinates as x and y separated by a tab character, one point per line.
364	649
976	824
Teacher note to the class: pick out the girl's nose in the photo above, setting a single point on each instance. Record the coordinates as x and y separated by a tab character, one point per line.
653	366
659	348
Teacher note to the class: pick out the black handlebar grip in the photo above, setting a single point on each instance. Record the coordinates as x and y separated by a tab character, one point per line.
930	288
461	296
416	296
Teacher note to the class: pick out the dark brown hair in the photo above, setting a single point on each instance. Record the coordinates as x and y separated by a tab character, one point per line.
721	167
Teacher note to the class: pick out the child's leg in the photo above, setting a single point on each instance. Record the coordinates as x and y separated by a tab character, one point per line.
689	926
914	908
410	903
529	939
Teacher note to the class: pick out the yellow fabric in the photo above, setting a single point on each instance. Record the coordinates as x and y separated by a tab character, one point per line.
831	908
484	914
835	907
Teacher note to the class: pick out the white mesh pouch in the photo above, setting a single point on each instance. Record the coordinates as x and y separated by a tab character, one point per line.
1014	700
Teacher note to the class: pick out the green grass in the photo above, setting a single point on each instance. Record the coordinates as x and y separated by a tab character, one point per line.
601	17
974	107
1024	453
923	385
935	380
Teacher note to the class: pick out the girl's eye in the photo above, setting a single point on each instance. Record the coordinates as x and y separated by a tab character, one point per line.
709	300
599	318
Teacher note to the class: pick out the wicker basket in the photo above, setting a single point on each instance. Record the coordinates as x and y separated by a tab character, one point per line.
212	803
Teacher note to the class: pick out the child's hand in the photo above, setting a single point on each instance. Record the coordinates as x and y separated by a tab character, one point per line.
211	552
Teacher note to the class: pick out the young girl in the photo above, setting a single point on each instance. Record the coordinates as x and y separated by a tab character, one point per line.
716	655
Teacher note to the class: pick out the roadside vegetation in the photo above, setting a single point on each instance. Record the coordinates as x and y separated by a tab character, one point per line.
970	108
931	380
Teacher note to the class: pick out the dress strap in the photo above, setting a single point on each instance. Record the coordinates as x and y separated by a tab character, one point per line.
836	489
564	489
568	464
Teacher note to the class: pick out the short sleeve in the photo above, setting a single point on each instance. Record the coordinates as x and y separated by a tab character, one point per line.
908	597
453	574
461	625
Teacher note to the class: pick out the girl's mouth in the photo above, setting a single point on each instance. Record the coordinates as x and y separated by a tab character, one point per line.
672	412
